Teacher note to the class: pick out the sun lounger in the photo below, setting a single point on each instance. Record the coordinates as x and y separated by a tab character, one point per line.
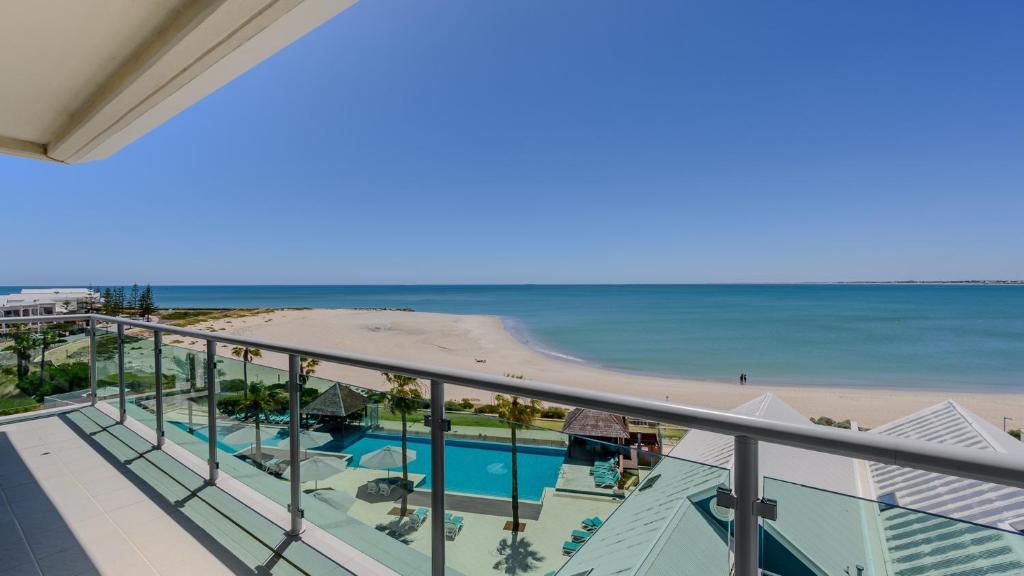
592	524
419	517
605	465
452	525
581	535
570	548
275	465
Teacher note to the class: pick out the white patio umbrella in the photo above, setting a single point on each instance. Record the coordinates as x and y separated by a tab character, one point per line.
308	438
386	458
320	468
247	435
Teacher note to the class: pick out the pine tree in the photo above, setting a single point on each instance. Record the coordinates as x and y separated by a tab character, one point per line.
108	301
119	300
146	303
133	300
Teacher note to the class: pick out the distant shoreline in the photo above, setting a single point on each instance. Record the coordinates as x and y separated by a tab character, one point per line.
521	334
482	343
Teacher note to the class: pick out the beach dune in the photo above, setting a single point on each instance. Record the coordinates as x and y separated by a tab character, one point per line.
481	343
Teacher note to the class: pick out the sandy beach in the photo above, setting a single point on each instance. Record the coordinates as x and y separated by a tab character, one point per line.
462	341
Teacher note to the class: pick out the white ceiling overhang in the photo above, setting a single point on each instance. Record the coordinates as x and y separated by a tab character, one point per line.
81	79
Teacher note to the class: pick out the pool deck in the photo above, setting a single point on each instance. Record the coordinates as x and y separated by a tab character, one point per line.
474	551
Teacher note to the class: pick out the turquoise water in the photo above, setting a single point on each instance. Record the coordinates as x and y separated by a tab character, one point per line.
927	336
482	468
198	433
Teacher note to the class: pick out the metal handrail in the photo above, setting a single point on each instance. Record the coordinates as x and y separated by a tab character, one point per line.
748	431
987	466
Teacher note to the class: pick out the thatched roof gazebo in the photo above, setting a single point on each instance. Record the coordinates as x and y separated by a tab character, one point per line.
593	424
338	401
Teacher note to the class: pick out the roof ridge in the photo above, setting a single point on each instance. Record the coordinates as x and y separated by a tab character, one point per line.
903	419
973	421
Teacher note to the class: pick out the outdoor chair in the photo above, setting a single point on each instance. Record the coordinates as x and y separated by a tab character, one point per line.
419	517
591	524
581	535
452	526
371	487
570	548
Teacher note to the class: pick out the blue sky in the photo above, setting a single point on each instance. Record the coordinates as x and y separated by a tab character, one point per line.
506	142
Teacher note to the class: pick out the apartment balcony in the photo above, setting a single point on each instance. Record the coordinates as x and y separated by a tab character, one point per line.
164	463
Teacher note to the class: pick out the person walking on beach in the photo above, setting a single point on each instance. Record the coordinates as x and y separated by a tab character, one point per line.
743	378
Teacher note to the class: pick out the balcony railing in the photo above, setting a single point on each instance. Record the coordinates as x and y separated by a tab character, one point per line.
182	395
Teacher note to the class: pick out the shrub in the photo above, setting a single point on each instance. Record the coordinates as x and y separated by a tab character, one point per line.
59	378
230	404
459	405
553	412
486	409
309	394
231	384
826	421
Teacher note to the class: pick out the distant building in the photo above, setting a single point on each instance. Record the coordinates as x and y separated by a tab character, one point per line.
45	302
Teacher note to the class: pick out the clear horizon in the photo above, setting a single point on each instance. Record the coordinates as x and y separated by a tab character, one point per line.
408	143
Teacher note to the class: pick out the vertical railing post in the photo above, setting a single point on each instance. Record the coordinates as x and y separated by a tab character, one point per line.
158	341
92	359
121	395
211	408
745	479
437	430
294	406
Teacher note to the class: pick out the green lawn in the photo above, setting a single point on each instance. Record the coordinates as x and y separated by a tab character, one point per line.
11	399
470	419
191	316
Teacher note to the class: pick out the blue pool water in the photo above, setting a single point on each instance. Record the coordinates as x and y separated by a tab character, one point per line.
230	448
483	468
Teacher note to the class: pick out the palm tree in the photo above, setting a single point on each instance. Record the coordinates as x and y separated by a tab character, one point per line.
307	367
46	339
262	399
404	398
246	354
23	342
516	412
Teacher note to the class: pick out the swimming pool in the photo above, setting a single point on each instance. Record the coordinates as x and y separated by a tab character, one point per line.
229	448
472	467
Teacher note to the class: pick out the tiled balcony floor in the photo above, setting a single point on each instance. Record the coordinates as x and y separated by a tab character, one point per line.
80	494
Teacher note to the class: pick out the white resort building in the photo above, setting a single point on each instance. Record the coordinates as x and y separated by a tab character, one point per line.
45	302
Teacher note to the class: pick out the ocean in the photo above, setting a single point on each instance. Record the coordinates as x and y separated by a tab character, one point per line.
949	337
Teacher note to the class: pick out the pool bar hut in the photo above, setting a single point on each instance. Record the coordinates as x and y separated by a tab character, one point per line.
336	404
610	430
